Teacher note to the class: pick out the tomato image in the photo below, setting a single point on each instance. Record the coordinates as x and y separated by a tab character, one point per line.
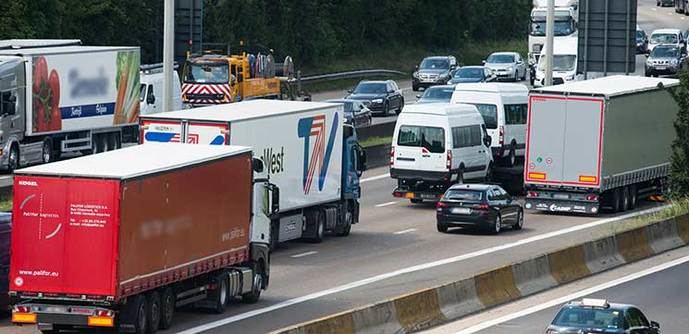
40	74
54	101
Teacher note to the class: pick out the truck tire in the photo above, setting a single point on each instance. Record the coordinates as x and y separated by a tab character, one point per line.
315	228
626	200
97	143
140	321
634	196
167	308
343	231
255	294
616	200
13	160
111	142
221	294
47	151
153	314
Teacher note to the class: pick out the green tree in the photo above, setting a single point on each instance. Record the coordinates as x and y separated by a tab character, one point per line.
679	174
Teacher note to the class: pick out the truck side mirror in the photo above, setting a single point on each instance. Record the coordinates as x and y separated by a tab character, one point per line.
151	99
274	200
361	160
257	165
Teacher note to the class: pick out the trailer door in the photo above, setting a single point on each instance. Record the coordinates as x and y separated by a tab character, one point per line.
564	141
207	133
160	131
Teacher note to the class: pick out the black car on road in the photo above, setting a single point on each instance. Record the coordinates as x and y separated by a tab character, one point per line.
641	40
472	74
663	3
355	112
378	96
598	316
488	207
436	70
436	94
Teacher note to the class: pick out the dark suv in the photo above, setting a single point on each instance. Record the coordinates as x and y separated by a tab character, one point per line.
436	70
381	97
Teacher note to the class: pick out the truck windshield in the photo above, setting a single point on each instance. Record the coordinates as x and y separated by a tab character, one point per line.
562	27
489	113
561	63
430	138
214	73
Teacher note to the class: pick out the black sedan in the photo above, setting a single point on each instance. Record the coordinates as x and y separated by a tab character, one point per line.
488	207
379	96
599	316
355	112
472	74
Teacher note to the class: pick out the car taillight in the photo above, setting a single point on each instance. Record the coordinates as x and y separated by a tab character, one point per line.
531	194
481	207
501	135
448	164
392	156
592	197
441	205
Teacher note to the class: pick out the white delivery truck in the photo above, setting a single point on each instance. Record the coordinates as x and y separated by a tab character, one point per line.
598	143
565	27
565	53
309	153
59	97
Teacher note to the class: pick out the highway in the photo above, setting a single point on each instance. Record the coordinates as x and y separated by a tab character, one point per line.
396	248
656	285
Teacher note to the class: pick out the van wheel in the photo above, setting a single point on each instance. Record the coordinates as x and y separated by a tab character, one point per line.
167	308
512	156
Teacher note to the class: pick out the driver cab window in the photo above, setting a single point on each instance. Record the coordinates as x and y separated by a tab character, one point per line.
7	103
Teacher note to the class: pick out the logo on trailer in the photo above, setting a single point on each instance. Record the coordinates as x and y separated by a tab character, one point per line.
316	159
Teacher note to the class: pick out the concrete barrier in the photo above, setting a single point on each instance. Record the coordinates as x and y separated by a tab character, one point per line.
430	307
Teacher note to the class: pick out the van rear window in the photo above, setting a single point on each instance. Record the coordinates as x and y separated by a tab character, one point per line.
489	113
430	138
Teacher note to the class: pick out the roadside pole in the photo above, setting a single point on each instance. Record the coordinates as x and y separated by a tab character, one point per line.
549	41
168	49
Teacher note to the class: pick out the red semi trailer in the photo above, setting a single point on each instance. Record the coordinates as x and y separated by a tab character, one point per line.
120	239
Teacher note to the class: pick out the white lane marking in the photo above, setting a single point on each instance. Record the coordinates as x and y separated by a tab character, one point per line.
576	295
410	230
682	17
654	9
403	271
382	205
374	178
296	256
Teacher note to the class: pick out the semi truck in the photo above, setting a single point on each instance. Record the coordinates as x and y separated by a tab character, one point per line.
565	27
601	143
310	155
62	97
119	240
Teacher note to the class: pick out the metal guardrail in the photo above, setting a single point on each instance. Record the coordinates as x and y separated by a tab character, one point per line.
347	75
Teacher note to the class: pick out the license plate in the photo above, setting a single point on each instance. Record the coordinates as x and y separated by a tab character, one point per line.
561	196
661	68
428	196
55	309
461	211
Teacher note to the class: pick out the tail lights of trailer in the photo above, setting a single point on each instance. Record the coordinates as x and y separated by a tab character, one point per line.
588	179
23	315
536	176
592	198
102	318
532	194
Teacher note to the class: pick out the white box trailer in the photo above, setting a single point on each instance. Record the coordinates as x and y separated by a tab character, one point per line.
309	154
57	97
601	142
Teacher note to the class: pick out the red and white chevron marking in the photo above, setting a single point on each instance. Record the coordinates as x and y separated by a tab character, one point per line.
193	89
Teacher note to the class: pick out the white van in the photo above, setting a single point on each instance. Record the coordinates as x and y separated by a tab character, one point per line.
504	107
151	98
437	145
565	54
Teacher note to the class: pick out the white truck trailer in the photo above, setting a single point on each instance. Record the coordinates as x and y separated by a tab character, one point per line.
598	143
309	153
59	96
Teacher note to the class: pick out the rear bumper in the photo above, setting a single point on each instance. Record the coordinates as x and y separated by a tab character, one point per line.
482	220
554	205
428	195
418	175
51	317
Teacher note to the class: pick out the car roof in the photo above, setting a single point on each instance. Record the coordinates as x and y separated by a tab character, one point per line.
472	66
509	53
437	57
493	87
473	186
375	81
666	31
440	87
612	306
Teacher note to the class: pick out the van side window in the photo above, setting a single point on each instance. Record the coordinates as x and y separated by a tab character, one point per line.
430	138
466	136
516	113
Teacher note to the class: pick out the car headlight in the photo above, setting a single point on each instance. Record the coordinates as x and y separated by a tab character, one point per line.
377	101
511	68
674	62
570	77
649	63
415	75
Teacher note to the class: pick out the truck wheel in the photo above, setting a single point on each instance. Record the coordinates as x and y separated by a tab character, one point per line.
634	197
220	295
315	230
140	321
343	231
153	312
111	142
626	201
167	308
13	160
616	200
255	294
98	144
47	152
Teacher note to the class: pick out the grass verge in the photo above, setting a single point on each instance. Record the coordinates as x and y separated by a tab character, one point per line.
6	203
375	141
677	208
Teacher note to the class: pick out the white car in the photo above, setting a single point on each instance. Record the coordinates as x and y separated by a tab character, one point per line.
666	36
507	65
